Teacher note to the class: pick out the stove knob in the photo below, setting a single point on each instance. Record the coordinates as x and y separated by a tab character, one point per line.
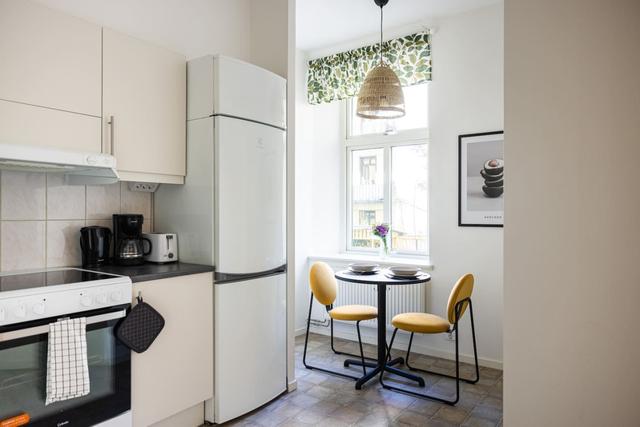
2	315
38	308
86	301
116	296
20	311
101	299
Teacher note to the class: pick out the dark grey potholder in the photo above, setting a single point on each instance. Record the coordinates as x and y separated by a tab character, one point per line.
141	327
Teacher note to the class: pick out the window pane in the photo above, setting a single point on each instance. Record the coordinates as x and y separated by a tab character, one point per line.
367	195
409	195
416	117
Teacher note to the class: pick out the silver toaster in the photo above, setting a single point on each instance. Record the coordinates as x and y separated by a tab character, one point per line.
164	247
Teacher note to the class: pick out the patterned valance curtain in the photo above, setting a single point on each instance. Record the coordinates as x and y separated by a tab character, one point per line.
339	76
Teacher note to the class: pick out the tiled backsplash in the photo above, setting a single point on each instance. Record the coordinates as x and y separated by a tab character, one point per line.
41	217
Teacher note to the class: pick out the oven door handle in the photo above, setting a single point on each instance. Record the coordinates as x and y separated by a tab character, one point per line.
44	329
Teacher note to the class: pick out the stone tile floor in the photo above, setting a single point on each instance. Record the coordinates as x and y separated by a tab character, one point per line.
326	400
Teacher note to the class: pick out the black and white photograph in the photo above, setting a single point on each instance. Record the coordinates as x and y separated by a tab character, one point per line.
481	179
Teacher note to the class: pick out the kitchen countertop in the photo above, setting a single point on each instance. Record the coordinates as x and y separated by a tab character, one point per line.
150	271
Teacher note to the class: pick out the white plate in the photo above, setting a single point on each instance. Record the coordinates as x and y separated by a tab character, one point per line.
361	267
405	271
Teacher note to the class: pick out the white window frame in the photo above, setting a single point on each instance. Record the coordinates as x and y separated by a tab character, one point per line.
373	141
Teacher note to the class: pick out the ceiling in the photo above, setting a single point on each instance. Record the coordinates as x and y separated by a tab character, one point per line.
326	23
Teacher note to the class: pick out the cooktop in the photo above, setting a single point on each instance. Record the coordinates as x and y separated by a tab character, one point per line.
13	282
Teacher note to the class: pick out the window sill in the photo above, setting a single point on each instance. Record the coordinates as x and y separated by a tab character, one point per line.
346	258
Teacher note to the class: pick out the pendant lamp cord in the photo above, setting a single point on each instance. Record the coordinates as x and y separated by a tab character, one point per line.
381	35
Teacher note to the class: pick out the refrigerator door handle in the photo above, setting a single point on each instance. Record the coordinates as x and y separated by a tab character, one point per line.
220	278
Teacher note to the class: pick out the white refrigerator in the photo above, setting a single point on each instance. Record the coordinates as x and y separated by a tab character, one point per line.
231	213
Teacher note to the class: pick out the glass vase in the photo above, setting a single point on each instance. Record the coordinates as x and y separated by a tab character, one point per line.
383	248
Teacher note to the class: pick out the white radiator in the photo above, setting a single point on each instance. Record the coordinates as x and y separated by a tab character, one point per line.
400	299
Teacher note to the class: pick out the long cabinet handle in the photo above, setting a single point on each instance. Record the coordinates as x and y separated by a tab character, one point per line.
111	137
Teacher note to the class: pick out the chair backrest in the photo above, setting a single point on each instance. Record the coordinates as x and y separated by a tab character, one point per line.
461	290
323	283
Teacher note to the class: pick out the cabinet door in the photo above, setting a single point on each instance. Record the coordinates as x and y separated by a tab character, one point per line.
144	92
50	77
176	372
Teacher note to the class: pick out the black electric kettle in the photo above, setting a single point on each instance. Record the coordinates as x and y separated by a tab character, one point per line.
95	242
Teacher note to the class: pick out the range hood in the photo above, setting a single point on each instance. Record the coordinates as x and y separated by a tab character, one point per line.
78	167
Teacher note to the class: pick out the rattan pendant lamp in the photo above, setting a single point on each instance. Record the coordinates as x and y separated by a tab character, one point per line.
380	95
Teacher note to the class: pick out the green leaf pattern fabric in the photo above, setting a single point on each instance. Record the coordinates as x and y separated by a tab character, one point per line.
339	76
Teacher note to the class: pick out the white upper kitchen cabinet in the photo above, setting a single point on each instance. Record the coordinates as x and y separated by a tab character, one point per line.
144	109
50	78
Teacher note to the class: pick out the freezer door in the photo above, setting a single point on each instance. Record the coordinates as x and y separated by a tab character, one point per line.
249	196
250	345
250	92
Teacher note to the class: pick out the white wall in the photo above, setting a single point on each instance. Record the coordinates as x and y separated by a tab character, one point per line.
303	180
466	96
320	147
194	28
572	282
269	35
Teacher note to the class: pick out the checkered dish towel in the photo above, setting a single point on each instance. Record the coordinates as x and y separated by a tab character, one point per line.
67	367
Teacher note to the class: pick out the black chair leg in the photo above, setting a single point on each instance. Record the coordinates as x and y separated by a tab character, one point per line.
317	368
364	366
342	353
456	377
426	371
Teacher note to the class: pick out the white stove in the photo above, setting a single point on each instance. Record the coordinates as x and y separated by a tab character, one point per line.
29	303
59	292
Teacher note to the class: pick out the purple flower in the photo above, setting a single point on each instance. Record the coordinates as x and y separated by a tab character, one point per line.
380	230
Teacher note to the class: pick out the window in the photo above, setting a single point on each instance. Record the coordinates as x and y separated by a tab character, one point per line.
387	179
368	169
416	117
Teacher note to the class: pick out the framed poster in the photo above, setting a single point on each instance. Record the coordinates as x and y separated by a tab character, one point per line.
481	179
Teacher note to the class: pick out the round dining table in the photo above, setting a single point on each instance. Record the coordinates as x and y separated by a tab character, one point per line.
381	279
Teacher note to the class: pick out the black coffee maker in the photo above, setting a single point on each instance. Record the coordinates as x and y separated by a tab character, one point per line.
127	232
94	244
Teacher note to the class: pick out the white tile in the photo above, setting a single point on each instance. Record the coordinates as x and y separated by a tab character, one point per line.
22	245
136	202
103	201
63	243
64	201
22	195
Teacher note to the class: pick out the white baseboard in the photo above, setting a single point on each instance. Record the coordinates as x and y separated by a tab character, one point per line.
402	343
300	331
292	386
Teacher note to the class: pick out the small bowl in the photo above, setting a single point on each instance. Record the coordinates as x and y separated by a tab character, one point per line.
405	270
493	191
488	177
494	183
494	166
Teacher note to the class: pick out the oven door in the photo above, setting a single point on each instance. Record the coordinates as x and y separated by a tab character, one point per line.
23	372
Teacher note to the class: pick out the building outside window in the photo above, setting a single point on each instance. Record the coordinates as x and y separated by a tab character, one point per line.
368	169
387	177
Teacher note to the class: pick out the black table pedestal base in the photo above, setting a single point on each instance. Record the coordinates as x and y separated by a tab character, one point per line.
370	375
374	364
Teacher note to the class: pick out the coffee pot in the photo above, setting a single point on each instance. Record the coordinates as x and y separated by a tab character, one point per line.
129	246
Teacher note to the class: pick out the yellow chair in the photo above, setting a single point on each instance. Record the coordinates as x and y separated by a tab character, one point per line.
324	288
425	323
